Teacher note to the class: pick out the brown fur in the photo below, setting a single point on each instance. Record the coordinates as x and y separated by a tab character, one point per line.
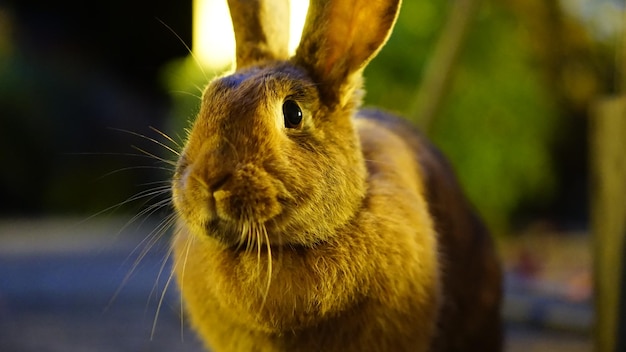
261	30
347	233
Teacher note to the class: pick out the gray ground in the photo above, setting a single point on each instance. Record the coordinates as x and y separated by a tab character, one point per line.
58	284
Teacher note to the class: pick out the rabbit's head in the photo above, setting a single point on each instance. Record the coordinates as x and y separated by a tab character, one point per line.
273	155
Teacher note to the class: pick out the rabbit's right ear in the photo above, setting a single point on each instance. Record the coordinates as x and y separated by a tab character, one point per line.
261	30
338	40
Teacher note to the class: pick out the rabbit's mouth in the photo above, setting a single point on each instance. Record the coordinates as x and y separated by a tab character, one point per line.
243	235
239	208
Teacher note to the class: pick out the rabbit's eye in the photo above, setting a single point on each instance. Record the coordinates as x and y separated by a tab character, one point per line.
292	114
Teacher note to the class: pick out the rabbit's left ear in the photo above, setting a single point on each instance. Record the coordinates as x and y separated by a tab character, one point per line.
340	37
261	30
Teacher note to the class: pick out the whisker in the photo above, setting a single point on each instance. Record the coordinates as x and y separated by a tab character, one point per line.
147	243
249	237
160	229
162	298
134	168
131	199
269	264
164	135
169	162
106	154
200	89
154	236
381	162
164	184
151	201
149	211
150	195
280	250
148	139
182	92
257	237
154	207
190	239
242	237
195	58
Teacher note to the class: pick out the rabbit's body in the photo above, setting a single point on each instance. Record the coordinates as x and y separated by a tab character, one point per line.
380	285
307	226
469	319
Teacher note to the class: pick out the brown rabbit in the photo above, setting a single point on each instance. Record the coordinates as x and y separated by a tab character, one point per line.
308	225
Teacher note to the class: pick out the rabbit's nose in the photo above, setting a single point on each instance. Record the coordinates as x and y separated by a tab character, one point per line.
219	180
214	167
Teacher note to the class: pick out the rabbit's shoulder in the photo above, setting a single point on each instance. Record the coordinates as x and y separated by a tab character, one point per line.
435	172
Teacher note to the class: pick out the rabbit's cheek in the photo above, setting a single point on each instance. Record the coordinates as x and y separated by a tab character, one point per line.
192	199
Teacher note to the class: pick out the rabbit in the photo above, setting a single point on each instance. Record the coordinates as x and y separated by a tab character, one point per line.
306	224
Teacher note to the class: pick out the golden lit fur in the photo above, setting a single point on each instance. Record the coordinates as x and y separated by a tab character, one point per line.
337	234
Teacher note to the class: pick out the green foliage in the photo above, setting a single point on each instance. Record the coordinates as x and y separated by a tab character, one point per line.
497	120
393	77
186	79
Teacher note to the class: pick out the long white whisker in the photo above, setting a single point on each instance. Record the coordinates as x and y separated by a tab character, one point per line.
168	162
138	196
242	237
182	92
150	195
151	239
162	298
164	135
147	243
110	173
167	184
200	89
138	155
152	208
182	286
161	144
269	264
257	237
249	238
195	58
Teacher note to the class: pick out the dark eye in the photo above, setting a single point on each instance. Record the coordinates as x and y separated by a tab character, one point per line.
292	114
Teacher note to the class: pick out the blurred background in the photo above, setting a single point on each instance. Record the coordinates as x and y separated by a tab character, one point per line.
506	88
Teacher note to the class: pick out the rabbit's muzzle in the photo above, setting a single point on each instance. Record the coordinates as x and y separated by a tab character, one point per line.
247	195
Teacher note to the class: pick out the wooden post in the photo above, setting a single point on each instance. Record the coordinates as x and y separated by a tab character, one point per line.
621	320
608	216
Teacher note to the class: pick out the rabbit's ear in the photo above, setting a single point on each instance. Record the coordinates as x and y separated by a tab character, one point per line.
340	37
261	30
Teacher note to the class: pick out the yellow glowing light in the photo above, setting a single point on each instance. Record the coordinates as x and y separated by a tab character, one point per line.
298	15
213	37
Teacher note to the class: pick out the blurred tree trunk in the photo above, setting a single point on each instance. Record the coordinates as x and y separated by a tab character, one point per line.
608	216
609	213
621	323
441	64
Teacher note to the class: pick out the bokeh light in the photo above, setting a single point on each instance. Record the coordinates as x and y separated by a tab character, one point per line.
213	37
